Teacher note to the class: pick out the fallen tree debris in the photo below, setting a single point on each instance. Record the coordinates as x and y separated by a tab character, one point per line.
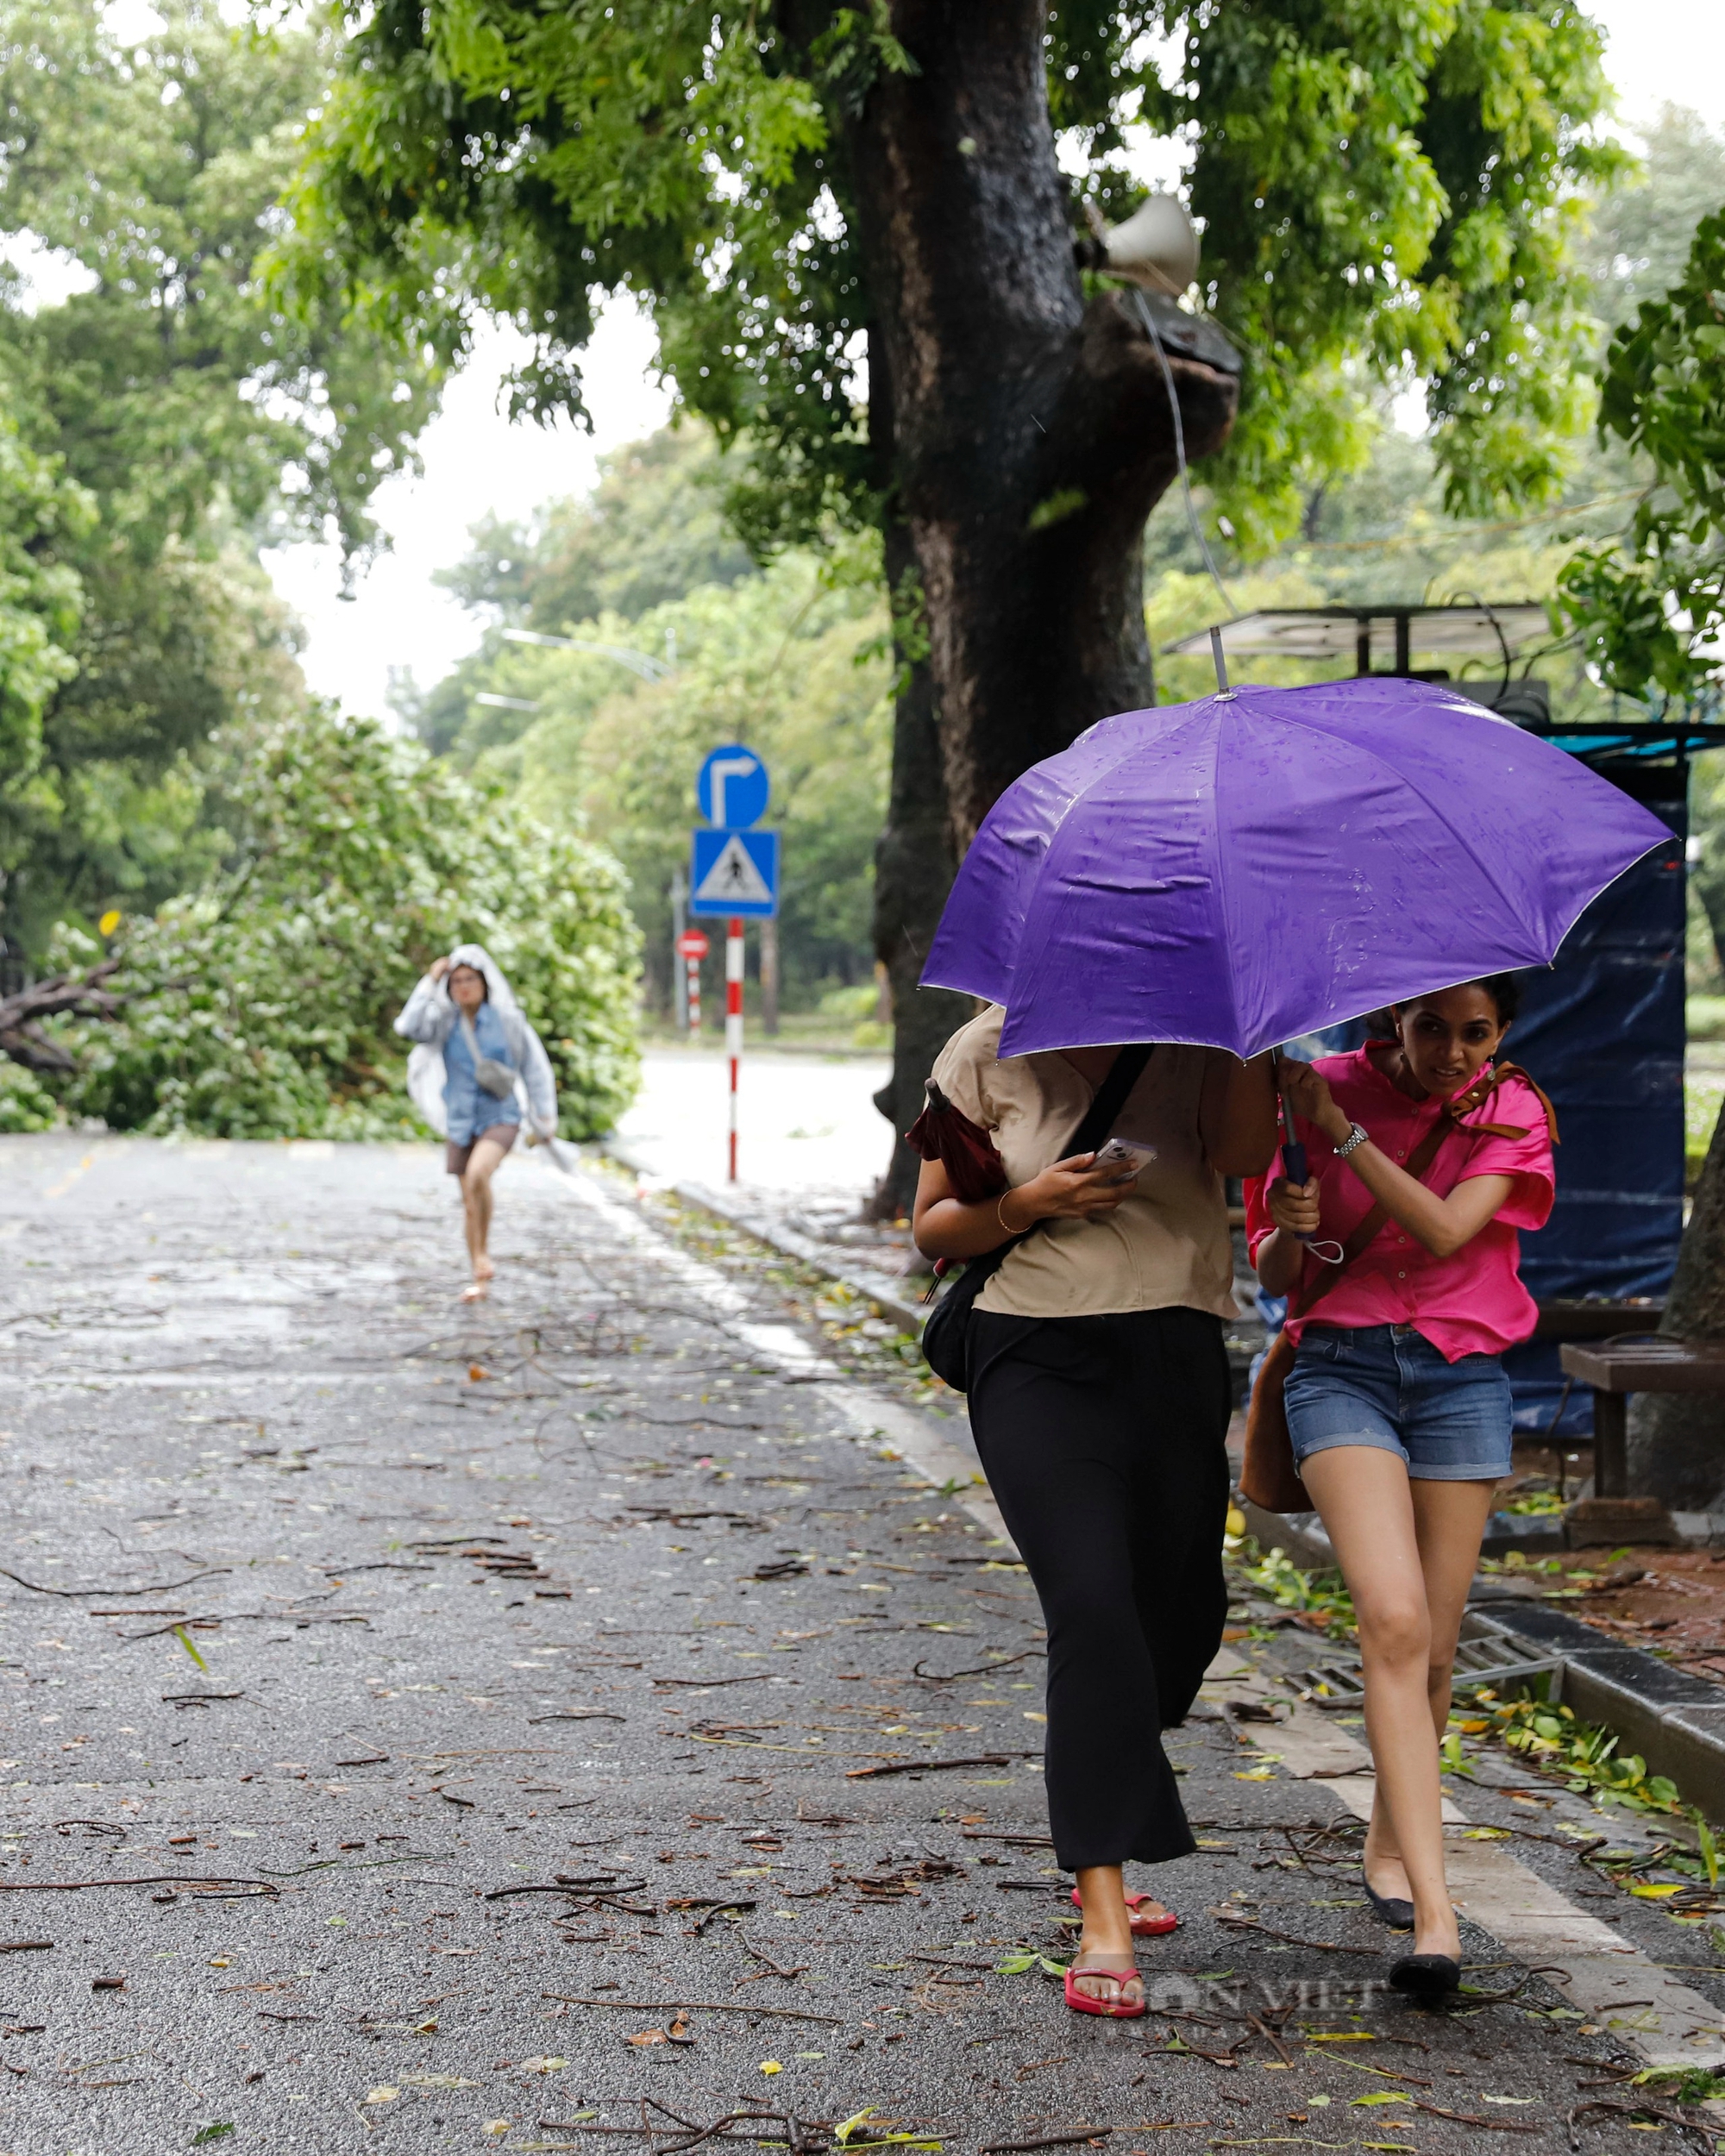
926	1766
155	1878
697	2006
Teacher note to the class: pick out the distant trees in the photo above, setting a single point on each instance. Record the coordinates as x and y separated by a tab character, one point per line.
161	420
792	659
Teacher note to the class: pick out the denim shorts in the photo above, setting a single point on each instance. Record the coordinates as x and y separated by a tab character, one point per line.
1386	1386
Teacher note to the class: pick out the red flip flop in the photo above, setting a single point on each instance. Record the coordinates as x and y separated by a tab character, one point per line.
1117	2008
1142	1926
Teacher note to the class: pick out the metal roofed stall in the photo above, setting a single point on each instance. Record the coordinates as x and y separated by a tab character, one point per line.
1379	639
1602	1028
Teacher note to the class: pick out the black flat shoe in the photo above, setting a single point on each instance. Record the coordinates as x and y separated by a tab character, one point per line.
1426	1976
1387	1908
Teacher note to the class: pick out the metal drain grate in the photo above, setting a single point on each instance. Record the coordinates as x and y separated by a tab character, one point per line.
1498	1658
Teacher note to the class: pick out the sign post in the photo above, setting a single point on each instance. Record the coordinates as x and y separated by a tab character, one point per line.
691	948
680	892
733	1028
733	872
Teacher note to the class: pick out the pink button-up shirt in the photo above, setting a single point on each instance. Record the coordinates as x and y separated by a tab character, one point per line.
1471	1302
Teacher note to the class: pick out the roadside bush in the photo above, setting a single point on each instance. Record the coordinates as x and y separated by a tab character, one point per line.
25	1103
355	860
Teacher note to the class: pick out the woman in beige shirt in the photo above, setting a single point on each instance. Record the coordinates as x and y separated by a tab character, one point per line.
1100	1397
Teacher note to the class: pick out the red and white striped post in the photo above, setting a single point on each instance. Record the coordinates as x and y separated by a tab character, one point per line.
693	993
733	1020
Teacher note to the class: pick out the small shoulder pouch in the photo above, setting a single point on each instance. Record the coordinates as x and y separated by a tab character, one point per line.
495	1078
946	1335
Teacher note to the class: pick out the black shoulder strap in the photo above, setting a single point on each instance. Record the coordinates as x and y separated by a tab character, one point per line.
1111	1098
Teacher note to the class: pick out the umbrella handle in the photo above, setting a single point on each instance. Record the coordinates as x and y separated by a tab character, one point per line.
1296	1168
1294	1165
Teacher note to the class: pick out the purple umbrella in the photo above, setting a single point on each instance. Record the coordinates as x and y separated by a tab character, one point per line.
1246	868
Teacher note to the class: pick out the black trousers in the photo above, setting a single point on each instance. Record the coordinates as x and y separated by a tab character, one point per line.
1103	1441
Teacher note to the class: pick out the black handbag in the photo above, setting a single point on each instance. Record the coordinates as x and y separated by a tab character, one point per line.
946	1335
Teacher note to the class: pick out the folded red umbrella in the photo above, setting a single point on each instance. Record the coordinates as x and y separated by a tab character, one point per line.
963	1149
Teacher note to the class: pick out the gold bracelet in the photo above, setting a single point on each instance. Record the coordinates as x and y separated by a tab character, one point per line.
1000	1213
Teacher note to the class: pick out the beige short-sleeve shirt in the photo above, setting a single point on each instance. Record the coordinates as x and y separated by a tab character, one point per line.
1167	1246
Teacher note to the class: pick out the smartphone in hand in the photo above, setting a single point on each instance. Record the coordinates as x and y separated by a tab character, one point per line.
1129	1157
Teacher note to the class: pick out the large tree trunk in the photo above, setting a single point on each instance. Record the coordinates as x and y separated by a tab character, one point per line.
1677	1442
1031	435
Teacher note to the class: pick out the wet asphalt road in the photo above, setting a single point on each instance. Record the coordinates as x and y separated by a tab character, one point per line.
535	1725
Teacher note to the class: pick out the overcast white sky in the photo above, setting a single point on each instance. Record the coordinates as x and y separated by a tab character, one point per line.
475	461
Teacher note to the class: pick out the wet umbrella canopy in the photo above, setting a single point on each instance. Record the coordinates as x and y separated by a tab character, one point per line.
1243	869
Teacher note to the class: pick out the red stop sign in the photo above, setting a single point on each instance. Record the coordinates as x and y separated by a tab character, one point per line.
692	943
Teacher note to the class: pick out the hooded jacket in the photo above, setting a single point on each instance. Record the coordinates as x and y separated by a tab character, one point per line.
430	1017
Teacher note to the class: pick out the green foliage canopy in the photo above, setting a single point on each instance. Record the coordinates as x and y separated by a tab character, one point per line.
272	992
178	414
1651	610
41	603
1387	190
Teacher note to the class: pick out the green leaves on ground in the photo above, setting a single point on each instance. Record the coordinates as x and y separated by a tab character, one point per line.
1322	1597
1554	1737
186	1641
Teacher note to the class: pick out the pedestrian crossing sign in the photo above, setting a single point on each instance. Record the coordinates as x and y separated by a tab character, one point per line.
735	871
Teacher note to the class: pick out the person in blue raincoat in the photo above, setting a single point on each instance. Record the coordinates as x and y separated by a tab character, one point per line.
477	1071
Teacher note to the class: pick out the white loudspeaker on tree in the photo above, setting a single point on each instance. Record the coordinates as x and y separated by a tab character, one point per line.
1156	246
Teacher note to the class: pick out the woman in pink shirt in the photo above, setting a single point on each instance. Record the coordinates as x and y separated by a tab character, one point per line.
1397	1405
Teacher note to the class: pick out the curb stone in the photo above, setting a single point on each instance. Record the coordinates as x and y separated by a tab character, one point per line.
1676	1722
887	1296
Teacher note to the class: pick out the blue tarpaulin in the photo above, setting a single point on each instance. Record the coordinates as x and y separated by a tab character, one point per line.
1603	1031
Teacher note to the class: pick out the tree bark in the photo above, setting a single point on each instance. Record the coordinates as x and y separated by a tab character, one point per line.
1030	434
1676	1441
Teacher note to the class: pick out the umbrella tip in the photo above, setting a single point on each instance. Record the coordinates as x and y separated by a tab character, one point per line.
1216	652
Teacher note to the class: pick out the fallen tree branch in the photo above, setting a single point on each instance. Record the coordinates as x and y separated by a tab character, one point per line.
926	1766
697	2006
1048	2140
162	1878
20	1015
1323	1946
1466	2118
1698	2135
987	1668
76	1594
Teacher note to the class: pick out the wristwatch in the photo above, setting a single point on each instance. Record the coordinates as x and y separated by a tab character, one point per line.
1358	1134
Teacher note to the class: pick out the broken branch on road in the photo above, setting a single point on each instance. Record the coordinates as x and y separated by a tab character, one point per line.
699	2006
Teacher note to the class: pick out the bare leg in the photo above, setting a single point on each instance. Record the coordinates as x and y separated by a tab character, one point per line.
1370	1510
476	1198
1449	1523
1106	1939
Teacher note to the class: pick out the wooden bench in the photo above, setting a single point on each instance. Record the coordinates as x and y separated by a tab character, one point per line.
1615	1369
1587	1318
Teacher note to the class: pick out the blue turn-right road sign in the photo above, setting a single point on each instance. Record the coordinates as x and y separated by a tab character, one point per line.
733	787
